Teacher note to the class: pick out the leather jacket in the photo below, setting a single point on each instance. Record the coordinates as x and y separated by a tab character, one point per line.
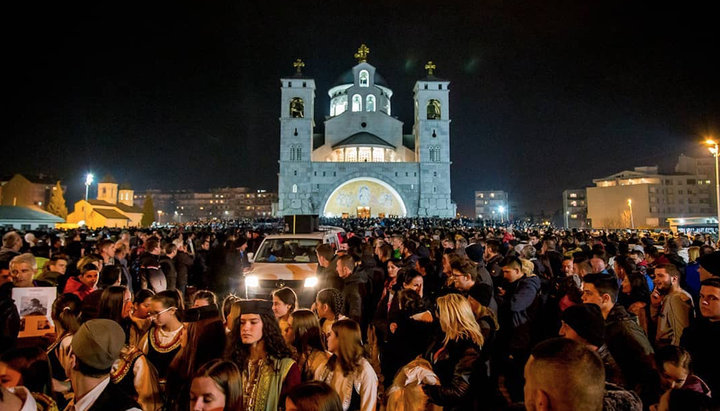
459	368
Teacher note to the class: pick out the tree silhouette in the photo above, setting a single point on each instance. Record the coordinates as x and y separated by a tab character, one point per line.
148	212
57	202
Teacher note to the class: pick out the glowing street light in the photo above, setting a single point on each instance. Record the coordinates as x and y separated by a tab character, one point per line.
88	182
567	216
632	220
501	210
713	147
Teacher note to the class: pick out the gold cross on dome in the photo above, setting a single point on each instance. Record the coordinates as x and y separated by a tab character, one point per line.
298	64
430	66
362	53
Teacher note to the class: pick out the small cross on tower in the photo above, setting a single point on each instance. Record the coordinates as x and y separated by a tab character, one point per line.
298	64
362	53
430	66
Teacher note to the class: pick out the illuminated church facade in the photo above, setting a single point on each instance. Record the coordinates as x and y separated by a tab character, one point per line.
363	165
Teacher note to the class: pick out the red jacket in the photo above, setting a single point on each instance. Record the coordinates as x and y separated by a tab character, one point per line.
74	286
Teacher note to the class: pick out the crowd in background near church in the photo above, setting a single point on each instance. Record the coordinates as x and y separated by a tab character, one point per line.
410	314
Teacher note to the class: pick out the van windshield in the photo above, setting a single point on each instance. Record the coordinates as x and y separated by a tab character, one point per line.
288	250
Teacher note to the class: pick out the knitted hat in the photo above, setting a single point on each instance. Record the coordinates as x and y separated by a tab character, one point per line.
97	343
711	262
587	321
256	307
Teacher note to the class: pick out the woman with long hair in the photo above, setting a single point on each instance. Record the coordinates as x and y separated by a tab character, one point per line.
456	358
303	334
205	342
65	314
132	372
635	297
347	370
313	396
284	302
328	305
140	321
166	335
257	347
393	282
216	386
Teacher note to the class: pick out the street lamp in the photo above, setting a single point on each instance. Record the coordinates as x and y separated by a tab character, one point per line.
88	181
632	220
160	213
713	147
567	216
501	209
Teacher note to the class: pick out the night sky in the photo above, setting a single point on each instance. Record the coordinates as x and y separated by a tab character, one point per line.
545	95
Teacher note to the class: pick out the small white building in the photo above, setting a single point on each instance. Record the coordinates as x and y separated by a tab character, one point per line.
27	218
363	165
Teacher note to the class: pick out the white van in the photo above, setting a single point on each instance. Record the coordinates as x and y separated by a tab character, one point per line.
289	260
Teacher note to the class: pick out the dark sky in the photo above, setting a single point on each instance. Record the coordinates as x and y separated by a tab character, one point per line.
545	95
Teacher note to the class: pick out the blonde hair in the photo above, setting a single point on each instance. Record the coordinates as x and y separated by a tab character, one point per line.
457	320
693	253
234	314
350	348
527	267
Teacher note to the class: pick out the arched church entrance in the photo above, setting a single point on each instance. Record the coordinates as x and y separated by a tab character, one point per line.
364	197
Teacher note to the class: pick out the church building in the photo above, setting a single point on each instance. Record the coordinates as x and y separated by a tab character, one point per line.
113	207
363	165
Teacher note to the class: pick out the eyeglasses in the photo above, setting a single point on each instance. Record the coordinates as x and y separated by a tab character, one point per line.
161	312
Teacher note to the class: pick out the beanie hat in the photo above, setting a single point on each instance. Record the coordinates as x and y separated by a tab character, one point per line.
711	262
587	321
97	343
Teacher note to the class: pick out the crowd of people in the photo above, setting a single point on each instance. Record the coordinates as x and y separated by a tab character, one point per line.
409	314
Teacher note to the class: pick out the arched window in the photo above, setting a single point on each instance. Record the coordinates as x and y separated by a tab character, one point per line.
370	103
297	107
356	103
298	156
364	78
294	188
433	109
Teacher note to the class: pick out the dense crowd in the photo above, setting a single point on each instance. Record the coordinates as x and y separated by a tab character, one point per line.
410	314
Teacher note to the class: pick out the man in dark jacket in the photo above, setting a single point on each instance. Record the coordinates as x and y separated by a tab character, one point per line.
627	342
168	266
517	308
353	286
493	258
183	261
701	338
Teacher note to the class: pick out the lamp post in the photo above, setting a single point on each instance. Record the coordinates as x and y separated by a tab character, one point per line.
567	216
501	209
632	220
713	147
88	181
160	213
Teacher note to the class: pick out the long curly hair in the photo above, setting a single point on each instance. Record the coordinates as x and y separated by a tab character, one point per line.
275	345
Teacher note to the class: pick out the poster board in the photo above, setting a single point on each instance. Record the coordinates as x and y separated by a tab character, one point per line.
34	305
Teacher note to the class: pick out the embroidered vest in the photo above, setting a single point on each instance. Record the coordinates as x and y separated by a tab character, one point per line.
162	355
270	382
124	375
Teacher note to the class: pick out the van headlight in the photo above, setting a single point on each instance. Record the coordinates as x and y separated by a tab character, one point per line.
311	282
252	281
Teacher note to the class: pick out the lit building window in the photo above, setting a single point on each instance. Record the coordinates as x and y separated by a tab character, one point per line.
378	154
492	195
364	154
370	103
294	188
573	195
356	103
364	79
351	154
